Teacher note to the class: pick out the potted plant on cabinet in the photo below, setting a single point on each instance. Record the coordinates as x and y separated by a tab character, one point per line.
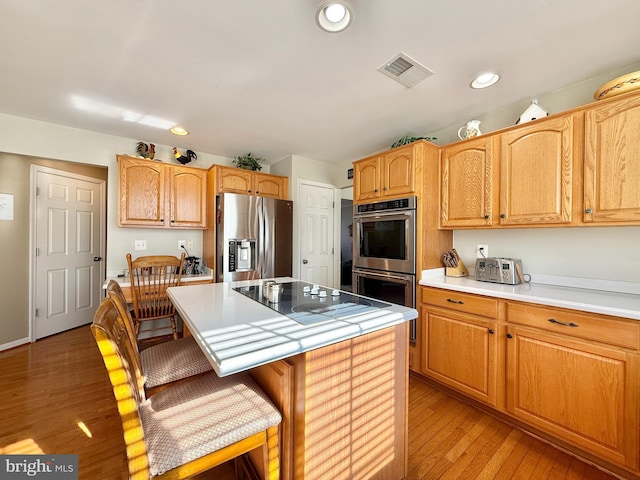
249	162
407	139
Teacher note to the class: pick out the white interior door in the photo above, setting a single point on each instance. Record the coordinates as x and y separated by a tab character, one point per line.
316	234
68	237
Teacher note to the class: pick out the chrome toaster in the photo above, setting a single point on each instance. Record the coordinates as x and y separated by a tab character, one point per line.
499	270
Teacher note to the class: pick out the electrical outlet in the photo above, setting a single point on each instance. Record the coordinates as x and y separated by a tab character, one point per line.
182	244
189	245
482	250
140	245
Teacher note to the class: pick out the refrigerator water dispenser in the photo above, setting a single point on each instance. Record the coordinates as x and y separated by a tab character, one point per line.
242	255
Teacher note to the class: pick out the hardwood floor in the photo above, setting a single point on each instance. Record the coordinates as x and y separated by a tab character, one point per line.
55	397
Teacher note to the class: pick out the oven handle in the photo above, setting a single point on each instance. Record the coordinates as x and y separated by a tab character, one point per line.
406	278
384	215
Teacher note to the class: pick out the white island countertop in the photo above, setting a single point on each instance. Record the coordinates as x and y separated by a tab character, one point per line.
592	299
238	333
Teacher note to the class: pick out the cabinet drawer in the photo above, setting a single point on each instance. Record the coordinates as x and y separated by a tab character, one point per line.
461	302
576	324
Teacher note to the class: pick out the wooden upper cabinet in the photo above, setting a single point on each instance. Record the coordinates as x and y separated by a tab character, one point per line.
466	172
141	193
398	172
391	174
188	197
366	179
273	186
247	182
153	194
612	162
536	173
234	180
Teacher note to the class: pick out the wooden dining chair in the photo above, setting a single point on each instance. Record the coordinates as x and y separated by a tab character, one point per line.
191	426
165	362
150	277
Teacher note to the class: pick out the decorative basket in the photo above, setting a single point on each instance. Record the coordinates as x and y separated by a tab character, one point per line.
617	86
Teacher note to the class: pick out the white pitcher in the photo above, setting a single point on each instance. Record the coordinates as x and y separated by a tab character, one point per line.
469	130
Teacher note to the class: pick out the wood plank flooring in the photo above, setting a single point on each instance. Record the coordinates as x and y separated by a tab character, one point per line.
55	397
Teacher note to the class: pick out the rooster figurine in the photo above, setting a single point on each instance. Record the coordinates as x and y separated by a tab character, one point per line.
184	159
146	151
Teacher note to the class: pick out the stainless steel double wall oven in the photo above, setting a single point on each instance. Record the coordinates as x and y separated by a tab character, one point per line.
384	251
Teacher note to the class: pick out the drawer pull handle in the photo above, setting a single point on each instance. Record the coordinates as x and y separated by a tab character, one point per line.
570	324
459	302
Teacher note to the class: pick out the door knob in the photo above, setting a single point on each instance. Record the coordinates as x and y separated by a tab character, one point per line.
305	261
97	259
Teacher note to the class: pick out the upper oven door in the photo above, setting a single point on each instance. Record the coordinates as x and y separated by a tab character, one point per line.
385	241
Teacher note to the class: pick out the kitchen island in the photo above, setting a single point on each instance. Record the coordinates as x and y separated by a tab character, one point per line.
341	383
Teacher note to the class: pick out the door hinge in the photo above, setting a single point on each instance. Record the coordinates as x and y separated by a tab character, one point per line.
37	191
37	312
37	252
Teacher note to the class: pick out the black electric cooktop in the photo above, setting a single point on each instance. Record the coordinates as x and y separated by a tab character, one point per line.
299	302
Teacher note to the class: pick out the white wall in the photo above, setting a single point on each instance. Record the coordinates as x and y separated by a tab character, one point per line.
605	253
40	139
560	100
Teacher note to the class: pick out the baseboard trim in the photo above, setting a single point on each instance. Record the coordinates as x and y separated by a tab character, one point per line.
15	343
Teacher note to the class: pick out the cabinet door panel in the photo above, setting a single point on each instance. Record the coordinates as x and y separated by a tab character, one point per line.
366	179
466	184
397	172
234	180
270	186
188	197
580	392
536	173
142	193
461	353
612	168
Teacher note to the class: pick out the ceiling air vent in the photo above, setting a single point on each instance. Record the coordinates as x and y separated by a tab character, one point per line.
405	70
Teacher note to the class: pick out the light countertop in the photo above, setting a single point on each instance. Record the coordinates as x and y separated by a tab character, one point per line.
238	333
554	292
200	277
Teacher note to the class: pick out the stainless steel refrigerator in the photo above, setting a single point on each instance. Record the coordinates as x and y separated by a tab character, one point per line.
253	237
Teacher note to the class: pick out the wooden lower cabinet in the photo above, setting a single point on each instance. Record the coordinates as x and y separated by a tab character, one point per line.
461	351
570	376
344	408
583	393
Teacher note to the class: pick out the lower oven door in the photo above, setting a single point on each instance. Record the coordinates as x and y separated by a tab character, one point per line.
399	288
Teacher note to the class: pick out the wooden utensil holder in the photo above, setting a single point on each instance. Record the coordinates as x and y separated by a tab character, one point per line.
459	271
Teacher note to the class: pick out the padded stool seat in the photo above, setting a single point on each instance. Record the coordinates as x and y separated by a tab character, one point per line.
171	361
205	414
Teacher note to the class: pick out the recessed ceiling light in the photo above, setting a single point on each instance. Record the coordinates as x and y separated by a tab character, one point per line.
179	131
333	15
485	80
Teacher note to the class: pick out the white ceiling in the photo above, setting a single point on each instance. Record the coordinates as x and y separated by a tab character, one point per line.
259	76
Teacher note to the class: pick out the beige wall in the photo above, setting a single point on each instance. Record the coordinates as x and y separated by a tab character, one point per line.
14	235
